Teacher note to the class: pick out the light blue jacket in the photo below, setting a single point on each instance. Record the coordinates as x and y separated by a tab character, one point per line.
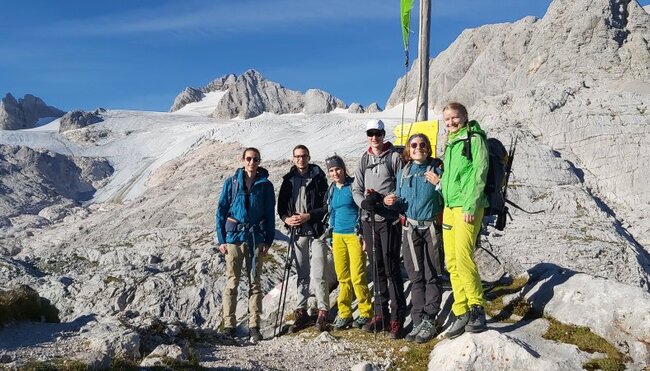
417	198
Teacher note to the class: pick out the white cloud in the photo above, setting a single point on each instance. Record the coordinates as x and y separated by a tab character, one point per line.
227	17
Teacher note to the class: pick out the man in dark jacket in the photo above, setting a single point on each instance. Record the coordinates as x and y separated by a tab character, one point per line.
245	227
301	207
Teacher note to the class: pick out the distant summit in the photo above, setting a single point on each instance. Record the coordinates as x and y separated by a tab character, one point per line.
25	112
250	95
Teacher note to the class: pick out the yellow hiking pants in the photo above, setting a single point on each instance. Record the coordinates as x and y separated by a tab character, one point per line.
459	240
350	266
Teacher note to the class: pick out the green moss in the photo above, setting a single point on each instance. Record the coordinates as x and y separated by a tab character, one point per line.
501	312
587	341
110	279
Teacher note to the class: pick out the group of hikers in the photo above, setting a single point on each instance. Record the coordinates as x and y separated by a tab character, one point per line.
394	205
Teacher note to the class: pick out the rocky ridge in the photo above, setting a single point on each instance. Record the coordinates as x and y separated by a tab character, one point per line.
25	112
250	94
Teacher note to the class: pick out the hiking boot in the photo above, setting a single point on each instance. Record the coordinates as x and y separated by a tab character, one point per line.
229	331
321	321
427	331
342	323
476	321
301	319
254	333
458	327
395	329
376	323
416	329
360	321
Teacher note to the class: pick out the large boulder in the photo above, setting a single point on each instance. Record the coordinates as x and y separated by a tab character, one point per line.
80	119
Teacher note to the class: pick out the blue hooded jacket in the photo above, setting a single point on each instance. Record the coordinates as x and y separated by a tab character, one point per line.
234	220
417	198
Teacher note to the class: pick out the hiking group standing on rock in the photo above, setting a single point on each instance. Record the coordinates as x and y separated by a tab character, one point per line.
411	206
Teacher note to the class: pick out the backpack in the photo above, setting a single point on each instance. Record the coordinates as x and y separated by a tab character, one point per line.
496	184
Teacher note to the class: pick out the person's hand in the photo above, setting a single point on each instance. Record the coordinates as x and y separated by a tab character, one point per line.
390	200
297	219
469	218
223	248
371	201
264	249
432	177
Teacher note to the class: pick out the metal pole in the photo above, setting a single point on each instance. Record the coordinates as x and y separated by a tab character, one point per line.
279	316
423	60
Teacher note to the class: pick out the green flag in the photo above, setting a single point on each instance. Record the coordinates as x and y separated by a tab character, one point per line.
405	11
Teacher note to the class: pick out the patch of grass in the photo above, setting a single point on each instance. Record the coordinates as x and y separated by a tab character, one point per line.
110	279
587	341
501	312
415	358
24	303
57	364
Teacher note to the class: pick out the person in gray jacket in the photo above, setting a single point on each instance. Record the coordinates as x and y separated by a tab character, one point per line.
373	180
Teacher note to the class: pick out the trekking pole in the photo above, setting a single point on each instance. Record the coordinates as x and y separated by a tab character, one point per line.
285	283
375	287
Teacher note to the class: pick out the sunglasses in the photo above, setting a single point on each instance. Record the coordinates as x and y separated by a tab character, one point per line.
375	133
300	156
254	159
422	145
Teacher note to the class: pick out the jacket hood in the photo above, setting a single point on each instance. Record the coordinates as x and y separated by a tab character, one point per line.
313	172
262	174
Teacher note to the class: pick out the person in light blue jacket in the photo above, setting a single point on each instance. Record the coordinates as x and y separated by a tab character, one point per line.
245	227
420	204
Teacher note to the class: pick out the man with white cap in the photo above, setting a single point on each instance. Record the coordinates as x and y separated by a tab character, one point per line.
373	180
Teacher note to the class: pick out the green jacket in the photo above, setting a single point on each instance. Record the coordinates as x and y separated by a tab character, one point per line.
463	181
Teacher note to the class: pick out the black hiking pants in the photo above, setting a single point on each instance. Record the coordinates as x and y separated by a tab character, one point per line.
426	289
387	238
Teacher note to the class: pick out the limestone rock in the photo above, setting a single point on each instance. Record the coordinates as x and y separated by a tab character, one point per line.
356	108
318	101
25	112
164	353
79	119
373	108
250	94
597	303
189	95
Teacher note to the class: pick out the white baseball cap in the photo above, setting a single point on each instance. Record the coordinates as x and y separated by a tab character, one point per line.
374	124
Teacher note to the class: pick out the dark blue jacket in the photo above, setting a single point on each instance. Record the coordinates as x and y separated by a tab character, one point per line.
235	220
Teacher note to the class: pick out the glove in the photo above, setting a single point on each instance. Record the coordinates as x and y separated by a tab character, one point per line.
371	201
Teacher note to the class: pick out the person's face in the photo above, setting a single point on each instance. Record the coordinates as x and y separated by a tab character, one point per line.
337	174
251	161
375	138
454	120
419	151
301	159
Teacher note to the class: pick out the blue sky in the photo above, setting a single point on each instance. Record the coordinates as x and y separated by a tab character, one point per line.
123	54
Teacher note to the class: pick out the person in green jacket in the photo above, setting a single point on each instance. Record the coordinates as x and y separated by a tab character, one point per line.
463	183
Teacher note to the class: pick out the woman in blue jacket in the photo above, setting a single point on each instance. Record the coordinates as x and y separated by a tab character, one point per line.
245	226
416	197
349	257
